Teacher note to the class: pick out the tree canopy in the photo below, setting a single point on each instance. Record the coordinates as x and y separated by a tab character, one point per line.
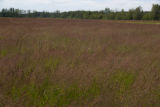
107	13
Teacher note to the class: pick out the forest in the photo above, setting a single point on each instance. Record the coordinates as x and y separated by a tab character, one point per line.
107	13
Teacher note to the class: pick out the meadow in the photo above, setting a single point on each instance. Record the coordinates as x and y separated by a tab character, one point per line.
79	63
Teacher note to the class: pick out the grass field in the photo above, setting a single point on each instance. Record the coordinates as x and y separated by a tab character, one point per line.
141	22
78	63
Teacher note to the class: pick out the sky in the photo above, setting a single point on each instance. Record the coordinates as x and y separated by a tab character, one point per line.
67	5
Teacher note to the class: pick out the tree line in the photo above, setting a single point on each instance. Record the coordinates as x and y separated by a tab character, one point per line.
107	13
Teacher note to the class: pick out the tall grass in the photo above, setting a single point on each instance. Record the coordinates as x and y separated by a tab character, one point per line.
78	63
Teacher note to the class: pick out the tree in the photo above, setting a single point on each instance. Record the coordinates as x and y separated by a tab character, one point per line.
121	15
137	14
29	13
4	13
107	10
155	12
146	16
107	13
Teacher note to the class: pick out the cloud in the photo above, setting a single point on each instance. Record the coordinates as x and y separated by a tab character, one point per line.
65	5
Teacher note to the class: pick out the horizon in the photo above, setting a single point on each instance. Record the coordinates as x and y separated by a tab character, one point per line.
74	5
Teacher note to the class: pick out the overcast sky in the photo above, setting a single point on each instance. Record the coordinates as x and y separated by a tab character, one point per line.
66	5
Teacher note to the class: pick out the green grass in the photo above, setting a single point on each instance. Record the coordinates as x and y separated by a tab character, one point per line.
1	37
122	81
29	70
53	95
51	64
156	93
141	22
124	49
3	52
